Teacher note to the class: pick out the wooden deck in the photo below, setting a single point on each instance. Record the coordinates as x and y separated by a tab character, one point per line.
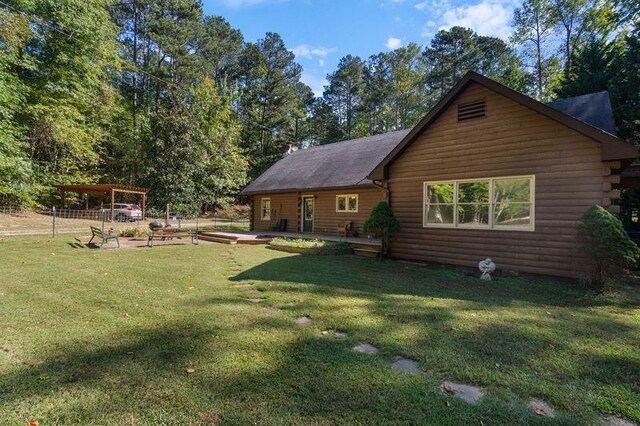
363	246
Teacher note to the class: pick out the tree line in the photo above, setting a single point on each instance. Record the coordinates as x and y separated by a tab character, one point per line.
157	94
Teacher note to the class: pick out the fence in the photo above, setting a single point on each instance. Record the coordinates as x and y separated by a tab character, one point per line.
52	222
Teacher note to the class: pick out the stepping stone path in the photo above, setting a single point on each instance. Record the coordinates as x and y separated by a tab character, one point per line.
303	321
341	334
541	408
272	309
467	393
404	365
254	300
366	348
615	421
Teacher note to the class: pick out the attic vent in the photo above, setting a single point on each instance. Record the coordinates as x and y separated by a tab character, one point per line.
471	110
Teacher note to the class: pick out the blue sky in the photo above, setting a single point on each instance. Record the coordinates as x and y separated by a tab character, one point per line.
320	32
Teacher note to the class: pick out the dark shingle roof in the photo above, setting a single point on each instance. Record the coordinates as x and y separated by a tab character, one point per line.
340	164
594	109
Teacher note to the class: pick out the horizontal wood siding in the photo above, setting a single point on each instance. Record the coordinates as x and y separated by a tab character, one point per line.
511	140
326	220
283	206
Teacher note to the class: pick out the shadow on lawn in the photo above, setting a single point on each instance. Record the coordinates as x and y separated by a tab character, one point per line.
315	380
399	278
309	378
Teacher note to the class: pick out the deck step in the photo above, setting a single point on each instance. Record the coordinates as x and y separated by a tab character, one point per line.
367	252
216	239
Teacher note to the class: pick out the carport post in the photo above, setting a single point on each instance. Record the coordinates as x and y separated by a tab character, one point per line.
112	196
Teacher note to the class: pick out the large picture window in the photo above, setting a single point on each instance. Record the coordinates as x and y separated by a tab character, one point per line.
493	203
347	203
265	209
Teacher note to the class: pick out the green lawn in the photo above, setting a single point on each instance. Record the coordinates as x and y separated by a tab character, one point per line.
105	337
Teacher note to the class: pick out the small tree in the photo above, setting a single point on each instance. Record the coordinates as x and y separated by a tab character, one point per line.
607	245
382	223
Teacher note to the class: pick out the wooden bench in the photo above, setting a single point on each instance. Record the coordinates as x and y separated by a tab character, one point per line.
104	237
346	230
170	233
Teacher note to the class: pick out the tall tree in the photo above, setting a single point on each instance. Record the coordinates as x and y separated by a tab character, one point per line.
344	92
450	55
270	88
535	23
16	183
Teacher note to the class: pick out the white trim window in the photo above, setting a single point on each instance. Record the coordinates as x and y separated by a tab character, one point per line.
347	203
265	209
505	203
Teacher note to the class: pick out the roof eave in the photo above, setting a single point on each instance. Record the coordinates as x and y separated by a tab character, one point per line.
321	188
613	148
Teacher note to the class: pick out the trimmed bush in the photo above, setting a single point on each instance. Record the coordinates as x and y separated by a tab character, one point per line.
607	245
382	223
132	232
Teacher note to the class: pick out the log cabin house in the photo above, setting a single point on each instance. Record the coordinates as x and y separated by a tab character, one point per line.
488	172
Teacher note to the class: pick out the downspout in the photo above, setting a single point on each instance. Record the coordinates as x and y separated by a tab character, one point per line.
379	184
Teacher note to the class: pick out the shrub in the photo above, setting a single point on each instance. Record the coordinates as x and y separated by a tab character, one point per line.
382	223
132	232
607	245
304	243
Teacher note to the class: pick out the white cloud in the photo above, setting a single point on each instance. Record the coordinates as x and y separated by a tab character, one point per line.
487	17
306	51
393	43
321	62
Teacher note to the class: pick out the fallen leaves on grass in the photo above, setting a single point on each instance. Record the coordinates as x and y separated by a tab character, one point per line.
33	422
448	389
190	370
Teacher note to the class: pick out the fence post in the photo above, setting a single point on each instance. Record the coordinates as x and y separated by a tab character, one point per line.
53	230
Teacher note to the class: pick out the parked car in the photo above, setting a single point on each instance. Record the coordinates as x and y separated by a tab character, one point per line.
126	212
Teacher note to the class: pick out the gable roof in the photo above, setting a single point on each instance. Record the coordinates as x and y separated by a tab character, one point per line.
331	166
594	109
613	148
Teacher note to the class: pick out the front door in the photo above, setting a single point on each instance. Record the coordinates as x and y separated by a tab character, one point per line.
307	214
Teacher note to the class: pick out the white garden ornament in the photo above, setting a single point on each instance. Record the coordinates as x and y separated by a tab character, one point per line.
486	267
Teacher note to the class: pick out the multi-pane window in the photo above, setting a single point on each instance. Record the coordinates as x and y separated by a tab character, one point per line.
265	209
347	203
496	203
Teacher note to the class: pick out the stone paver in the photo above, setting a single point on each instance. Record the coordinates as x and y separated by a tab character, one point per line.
404	365
366	348
254	300
341	334
615	421
467	393
303	321
541	407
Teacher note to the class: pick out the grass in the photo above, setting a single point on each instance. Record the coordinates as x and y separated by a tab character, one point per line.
105	337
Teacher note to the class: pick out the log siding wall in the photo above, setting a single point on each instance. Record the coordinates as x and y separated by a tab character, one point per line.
289	206
511	140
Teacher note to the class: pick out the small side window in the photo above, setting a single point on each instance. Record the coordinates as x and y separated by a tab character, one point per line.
347	203
265	210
